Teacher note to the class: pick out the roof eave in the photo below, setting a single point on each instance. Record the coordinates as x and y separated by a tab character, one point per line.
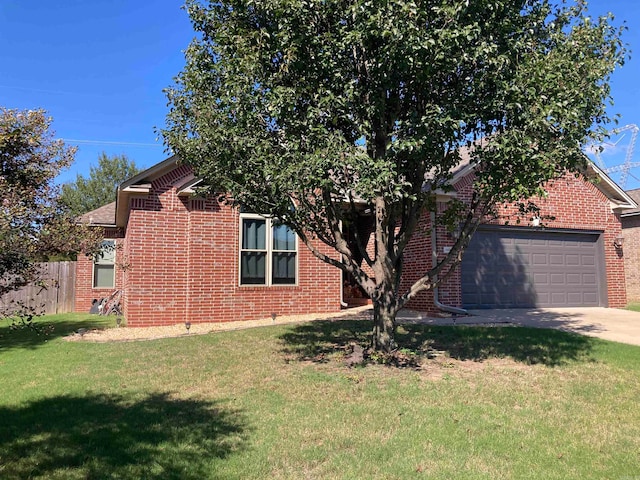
103	225
620	200
146	188
152	173
139	184
188	187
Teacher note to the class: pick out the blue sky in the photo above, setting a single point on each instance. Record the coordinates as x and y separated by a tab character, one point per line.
99	67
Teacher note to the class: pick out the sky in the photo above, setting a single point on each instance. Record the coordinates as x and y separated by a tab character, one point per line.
99	67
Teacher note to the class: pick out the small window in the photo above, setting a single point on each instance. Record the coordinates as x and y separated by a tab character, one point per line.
283	256
104	265
253	258
268	252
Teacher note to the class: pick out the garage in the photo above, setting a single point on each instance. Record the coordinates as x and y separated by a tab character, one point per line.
509	267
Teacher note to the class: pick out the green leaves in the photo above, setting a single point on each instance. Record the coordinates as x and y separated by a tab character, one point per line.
86	194
32	224
367	102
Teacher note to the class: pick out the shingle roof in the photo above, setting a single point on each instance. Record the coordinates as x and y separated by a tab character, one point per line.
635	195
105	215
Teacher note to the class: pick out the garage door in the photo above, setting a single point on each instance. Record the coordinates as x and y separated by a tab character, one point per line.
511	268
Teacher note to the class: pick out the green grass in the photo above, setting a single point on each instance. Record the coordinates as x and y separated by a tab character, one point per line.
634	307
278	403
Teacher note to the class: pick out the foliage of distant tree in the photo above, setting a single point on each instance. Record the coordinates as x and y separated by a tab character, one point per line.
86	194
33	225
341	108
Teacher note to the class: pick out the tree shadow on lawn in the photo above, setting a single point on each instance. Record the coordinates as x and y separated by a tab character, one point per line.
103	436
46	329
318	340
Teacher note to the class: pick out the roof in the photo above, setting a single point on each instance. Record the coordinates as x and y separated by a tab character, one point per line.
620	200
150	174
635	195
140	184
104	216
117	213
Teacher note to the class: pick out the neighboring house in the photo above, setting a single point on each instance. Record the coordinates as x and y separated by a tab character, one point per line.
631	234
178	257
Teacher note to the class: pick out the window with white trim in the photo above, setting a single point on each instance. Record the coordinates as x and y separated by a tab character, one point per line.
104	265
268	252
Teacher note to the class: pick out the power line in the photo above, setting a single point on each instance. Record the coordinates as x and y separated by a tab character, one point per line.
107	142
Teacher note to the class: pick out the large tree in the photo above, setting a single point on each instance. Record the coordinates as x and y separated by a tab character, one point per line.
32	223
86	194
318	110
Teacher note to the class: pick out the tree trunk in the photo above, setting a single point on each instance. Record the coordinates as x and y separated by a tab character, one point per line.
384	326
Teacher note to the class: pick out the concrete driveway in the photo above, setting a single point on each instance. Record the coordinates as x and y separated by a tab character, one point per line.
608	323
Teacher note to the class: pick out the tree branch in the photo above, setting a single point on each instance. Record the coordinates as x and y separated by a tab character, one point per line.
476	213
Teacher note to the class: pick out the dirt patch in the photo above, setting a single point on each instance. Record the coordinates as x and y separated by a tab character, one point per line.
430	369
128	334
442	367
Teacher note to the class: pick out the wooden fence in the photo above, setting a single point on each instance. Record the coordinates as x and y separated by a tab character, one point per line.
57	297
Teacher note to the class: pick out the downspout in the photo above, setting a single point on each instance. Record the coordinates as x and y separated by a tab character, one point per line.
343	304
434	260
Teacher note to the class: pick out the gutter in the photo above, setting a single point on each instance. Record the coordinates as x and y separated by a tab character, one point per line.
630	214
434	260
103	225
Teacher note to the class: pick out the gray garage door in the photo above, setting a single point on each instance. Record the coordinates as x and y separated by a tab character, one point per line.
511	268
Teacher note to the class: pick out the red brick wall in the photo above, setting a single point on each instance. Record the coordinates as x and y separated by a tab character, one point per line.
578	204
631	234
575	204
417	261
85	293
182	256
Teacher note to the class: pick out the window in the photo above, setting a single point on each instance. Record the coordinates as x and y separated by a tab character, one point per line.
104	265
268	252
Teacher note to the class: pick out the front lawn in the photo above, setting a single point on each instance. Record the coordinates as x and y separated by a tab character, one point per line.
279	402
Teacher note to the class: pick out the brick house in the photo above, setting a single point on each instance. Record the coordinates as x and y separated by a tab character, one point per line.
631	234
179	257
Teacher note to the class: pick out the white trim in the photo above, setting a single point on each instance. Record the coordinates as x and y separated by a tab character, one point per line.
152	172
269	220
93	267
187	188
146	188
625	202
